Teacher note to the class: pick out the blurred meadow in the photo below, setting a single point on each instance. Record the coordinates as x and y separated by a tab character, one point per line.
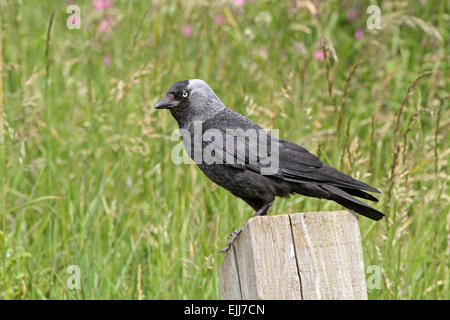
86	176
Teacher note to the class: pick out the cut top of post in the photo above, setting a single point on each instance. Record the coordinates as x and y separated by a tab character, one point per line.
315	255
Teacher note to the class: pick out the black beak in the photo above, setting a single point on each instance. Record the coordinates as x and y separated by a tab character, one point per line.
168	102
164	104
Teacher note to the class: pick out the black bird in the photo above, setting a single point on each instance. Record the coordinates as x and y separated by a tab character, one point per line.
251	175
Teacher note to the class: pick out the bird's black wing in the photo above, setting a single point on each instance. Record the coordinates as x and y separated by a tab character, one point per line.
295	164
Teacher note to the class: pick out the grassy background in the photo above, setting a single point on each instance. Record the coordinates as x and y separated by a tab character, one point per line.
86	176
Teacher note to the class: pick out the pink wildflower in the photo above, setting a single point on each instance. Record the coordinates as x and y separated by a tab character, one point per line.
101	5
359	34
106	60
219	19
352	13
106	24
318	54
75	20
187	30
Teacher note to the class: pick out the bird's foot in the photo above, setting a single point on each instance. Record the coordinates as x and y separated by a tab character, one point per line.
263	210
231	237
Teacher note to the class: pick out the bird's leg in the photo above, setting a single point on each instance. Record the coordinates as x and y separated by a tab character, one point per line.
232	237
261	212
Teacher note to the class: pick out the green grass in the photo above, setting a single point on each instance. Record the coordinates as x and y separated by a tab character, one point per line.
86	176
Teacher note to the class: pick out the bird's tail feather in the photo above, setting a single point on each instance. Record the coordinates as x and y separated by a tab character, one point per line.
350	202
360	194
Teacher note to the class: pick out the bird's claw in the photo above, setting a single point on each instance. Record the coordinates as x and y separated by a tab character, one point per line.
231	237
226	249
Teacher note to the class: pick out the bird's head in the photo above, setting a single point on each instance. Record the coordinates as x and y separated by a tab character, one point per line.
191	100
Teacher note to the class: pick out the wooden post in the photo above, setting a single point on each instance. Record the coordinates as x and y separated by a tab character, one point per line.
316	255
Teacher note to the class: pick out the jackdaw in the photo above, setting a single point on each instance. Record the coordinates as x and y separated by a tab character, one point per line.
243	163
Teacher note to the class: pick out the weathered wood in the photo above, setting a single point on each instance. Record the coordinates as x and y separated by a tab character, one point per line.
229	281
316	255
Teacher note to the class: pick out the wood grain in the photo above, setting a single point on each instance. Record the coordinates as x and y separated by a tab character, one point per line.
316	255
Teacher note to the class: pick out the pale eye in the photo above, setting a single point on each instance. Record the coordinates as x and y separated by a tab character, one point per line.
185	94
